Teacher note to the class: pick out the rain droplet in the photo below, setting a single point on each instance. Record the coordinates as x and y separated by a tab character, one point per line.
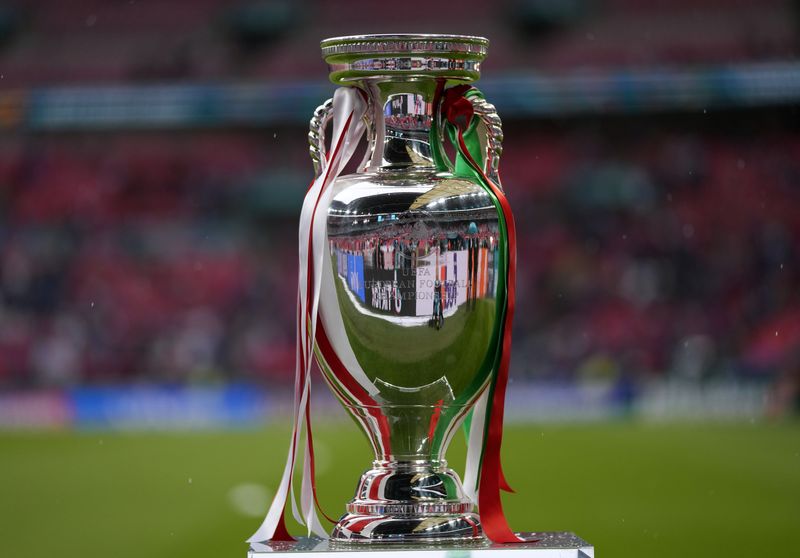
190	480
776	334
740	164
91	20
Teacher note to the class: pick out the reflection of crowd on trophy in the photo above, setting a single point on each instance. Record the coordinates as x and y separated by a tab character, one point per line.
408	112
429	274
409	121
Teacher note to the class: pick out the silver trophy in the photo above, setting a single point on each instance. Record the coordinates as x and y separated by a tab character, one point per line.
417	281
414	253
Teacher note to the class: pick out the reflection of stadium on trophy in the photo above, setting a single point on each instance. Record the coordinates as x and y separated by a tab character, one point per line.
395	265
414	264
408	111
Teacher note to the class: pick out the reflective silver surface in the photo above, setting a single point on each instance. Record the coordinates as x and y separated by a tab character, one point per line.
415	267
414	278
358	56
418	43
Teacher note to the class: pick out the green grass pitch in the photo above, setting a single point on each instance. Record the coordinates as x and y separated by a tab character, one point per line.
632	489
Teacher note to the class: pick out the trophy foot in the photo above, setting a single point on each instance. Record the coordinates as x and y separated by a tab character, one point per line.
428	529
409	502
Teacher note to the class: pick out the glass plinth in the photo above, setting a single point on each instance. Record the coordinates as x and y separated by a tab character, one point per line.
546	545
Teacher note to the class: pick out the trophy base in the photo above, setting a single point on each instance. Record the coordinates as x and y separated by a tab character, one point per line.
540	545
409	502
428	529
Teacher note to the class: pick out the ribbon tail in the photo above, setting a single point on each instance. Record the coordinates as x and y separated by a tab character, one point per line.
493	517
307	494
273	525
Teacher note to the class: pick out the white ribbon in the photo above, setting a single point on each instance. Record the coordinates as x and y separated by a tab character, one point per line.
477	431
348	127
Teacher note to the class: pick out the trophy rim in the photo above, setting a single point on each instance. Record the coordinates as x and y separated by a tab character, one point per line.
354	57
406	43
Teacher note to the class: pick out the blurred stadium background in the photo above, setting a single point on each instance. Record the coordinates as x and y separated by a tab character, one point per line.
152	166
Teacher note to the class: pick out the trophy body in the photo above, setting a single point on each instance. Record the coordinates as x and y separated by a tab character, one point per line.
412	284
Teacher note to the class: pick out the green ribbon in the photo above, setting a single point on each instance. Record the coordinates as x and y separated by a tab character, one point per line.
462	168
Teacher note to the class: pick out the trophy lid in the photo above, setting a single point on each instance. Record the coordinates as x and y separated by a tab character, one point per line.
456	57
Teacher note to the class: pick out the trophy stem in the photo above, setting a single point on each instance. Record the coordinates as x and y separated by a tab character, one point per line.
409	501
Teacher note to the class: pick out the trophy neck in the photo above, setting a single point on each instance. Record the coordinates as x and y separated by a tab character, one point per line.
410	465
402	115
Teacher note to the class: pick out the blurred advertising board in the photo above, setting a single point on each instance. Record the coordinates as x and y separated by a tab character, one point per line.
169	408
40	409
148	408
243	406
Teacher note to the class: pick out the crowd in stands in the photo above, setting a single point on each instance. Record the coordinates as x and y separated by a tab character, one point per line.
662	253
170	256
134	258
44	42
140	259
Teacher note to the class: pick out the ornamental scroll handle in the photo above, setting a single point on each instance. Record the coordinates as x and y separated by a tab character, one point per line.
494	137
316	136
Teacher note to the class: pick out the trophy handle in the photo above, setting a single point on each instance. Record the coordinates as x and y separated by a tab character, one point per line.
493	141
316	134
